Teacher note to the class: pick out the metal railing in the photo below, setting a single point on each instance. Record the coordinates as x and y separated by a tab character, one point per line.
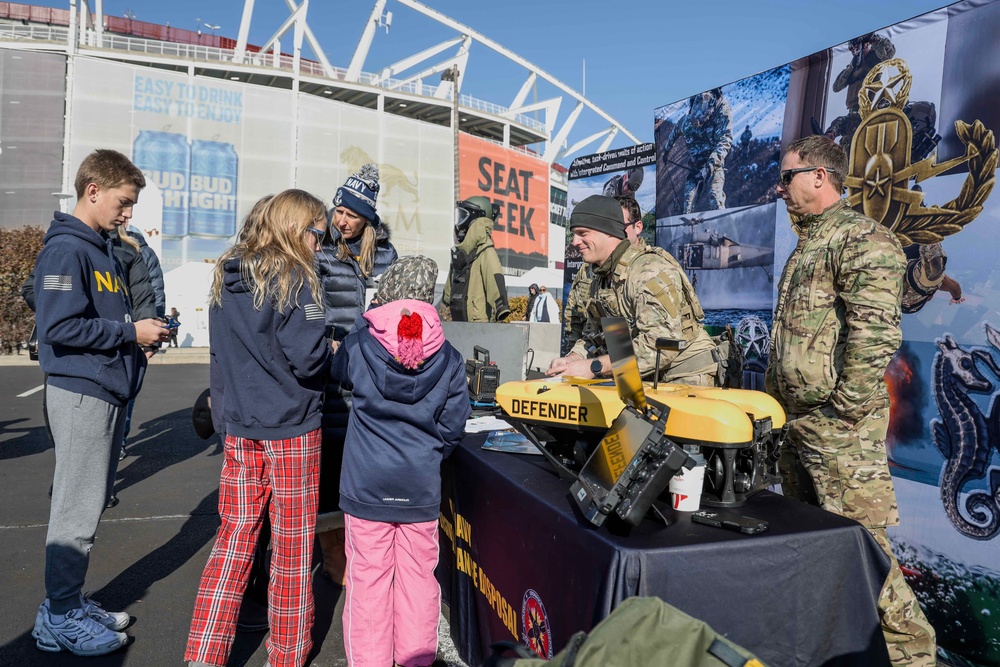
497	110
46	33
33	32
171	49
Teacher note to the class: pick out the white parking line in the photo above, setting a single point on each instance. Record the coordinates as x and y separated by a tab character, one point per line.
32	391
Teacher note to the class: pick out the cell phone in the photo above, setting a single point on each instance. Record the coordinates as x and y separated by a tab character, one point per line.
743	524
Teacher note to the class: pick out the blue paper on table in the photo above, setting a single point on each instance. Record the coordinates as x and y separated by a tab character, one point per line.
509	441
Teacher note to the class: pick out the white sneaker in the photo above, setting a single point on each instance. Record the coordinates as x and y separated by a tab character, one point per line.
112	620
77	633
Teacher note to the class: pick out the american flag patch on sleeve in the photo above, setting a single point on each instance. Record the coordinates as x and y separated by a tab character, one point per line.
313	312
54	282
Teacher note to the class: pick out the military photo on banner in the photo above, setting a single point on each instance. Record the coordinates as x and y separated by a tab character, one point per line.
720	148
916	107
625	171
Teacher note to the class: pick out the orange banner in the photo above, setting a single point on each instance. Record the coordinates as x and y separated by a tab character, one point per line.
519	184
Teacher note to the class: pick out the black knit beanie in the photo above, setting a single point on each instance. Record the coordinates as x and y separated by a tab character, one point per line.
601	213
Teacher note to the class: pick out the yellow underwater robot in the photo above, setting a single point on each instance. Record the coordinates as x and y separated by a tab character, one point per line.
621	441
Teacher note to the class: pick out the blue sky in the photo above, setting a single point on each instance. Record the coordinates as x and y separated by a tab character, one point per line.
639	54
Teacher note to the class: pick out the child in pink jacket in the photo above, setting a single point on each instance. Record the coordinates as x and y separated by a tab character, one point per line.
410	405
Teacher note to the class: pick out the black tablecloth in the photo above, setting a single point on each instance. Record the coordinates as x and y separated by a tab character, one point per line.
801	594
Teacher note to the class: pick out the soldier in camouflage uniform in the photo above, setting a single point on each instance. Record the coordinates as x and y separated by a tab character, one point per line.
575	315
645	286
579	294
836	327
707	129
866	51
624	184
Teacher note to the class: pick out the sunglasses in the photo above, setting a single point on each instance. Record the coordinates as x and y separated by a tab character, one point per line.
317	233
787	175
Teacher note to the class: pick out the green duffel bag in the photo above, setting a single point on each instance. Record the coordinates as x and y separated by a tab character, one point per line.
641	631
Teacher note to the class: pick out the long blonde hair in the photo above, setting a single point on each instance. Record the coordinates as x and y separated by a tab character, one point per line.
366	259
275	257
127	239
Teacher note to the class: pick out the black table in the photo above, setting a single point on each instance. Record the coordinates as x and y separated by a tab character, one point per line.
803	593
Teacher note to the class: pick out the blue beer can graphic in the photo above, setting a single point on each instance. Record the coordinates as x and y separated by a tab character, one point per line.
214	170
165	159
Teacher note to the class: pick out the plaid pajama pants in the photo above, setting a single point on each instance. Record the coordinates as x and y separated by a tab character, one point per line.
287	472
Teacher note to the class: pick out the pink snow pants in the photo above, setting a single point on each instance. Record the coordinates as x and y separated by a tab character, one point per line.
393	600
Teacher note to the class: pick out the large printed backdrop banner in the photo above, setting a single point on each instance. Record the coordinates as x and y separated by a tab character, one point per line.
622	171
211	148
519	184
916	106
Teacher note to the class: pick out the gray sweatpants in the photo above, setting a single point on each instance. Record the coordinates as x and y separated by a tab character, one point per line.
88	434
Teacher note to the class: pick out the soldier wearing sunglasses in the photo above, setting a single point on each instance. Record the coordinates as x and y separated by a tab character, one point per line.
836	327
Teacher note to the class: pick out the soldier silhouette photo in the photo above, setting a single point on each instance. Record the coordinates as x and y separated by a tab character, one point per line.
707	129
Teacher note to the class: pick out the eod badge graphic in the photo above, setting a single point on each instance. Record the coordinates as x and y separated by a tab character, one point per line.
535	625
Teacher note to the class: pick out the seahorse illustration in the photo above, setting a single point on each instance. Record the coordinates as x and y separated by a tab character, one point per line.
993	420
963	437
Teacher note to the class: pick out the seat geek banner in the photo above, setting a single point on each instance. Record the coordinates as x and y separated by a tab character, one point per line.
519	184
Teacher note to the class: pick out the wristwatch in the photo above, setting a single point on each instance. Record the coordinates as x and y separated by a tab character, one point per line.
596	367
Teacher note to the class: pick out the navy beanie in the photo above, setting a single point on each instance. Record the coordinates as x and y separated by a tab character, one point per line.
601	213
360	192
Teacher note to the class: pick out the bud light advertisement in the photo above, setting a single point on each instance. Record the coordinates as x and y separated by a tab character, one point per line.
165	159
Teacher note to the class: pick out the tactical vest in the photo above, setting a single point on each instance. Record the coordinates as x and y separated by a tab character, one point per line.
461	272
604	292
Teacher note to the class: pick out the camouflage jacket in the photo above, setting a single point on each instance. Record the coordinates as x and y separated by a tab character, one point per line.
575	312
708	143
647	287
836	325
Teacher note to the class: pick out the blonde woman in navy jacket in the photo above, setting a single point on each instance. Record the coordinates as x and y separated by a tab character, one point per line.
269	364
355	252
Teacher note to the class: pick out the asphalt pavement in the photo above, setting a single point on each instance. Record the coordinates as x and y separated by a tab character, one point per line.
150	549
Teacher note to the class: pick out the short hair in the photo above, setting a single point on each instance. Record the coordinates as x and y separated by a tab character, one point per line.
108	169
632	206
818	150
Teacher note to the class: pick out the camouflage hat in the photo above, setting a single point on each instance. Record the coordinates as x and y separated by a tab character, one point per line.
411	277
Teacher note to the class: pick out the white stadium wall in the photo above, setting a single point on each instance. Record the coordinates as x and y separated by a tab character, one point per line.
210	148
32	90
179	129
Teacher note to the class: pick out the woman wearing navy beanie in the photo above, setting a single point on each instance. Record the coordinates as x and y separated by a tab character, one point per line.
356	250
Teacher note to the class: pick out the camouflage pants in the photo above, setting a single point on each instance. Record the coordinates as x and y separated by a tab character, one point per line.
716	196
844	470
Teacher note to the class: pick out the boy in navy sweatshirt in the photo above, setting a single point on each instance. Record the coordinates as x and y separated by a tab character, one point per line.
88	346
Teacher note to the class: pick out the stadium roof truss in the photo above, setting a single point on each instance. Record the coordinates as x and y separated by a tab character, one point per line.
557	139
398	89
